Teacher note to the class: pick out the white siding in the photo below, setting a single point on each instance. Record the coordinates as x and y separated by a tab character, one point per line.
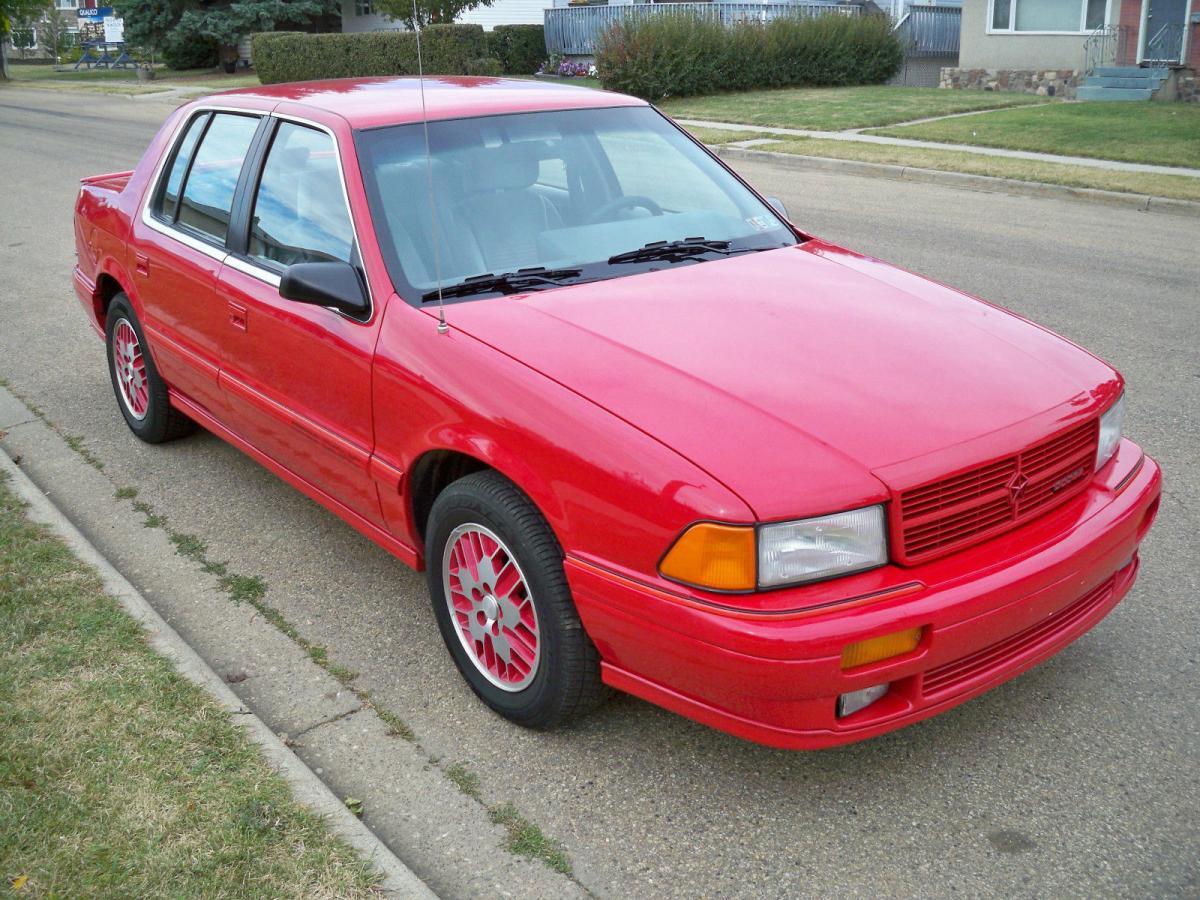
506	12
502	12
353	22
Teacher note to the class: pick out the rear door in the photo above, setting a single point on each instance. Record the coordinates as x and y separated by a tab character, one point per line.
297	378
179	248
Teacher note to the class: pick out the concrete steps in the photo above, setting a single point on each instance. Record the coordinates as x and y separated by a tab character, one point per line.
1121	83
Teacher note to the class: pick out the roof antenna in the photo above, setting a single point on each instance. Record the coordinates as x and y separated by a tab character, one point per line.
437	262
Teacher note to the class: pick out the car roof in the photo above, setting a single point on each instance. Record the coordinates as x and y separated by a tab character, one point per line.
373	102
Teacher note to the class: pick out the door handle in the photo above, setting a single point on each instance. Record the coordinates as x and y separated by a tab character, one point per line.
237	316
141	262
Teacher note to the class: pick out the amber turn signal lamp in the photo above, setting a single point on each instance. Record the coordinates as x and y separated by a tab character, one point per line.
883	647
717	557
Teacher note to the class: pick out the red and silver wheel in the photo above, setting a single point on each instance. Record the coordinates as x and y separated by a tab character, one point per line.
491	607
129	367
142	396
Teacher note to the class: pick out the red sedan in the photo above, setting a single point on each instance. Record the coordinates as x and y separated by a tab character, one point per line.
641	430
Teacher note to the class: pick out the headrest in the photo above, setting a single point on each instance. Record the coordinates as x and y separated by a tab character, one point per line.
511	167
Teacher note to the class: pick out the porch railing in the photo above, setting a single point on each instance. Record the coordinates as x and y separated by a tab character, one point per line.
1108	45
1165	46
930	30
573	30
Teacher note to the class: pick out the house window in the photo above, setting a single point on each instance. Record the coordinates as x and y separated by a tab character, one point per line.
67	4
1047	16
363	8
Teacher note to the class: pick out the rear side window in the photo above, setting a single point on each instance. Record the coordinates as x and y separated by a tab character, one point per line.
209	186
300	212
183	158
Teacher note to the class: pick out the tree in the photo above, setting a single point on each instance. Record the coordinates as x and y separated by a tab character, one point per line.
226	24
55	36
426	12
12	14
149	22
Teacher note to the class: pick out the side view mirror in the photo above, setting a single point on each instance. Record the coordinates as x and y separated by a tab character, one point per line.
777	205
333	284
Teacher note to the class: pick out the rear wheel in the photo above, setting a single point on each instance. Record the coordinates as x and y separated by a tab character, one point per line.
504	607
141	393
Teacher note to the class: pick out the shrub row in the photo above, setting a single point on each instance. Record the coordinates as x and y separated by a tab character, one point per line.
520	48
684	55
445	50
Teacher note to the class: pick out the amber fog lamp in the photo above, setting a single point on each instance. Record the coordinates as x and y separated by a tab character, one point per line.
712	556
883	647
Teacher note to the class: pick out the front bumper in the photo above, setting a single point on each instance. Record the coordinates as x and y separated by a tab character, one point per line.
987	614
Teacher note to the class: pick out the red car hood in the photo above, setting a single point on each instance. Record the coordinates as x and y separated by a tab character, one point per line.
806	379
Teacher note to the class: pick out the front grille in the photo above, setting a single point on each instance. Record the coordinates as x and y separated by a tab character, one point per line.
949	514
956	674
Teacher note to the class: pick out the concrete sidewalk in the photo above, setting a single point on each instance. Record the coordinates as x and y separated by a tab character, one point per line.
1111	165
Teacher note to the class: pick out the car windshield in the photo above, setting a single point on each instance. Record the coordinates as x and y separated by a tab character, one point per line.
534	200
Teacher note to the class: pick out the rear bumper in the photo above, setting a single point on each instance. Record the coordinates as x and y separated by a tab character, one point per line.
776	678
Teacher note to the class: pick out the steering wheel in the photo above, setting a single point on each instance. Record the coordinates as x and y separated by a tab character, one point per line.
627	202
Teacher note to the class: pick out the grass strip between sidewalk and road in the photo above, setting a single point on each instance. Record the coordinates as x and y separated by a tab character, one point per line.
838	108
1164	134
1177	187
117	775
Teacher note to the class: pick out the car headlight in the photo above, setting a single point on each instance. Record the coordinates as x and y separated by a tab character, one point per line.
1111	424
740	558
812	549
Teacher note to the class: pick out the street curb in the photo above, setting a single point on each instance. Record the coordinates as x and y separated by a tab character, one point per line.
397	880
1142	202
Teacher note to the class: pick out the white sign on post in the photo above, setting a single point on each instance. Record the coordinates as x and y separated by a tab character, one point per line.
114	30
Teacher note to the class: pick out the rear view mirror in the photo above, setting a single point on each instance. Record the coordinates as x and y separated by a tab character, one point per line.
777	205
333	284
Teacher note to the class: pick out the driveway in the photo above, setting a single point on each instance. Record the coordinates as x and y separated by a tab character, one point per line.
1079	778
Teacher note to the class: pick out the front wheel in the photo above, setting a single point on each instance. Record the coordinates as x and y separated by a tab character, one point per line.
141	393
503	605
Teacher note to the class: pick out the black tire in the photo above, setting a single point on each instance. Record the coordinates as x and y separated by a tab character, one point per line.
161	422
566	682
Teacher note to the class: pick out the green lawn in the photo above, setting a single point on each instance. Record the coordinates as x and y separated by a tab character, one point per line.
117	776
836	109
1179	187
124	81
1163	133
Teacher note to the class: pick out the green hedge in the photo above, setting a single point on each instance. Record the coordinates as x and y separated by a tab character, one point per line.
681	55
292	56
520	48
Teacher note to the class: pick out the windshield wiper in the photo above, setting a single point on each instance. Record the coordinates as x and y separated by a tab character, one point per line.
532	279
672	251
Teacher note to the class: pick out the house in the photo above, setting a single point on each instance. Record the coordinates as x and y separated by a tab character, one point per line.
360	15
1085	49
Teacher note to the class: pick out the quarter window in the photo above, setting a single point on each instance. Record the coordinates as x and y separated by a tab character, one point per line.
300	212
210	184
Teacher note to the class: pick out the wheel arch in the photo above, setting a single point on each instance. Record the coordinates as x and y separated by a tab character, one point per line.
438	467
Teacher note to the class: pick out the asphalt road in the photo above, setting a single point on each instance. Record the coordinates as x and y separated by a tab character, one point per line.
1077	779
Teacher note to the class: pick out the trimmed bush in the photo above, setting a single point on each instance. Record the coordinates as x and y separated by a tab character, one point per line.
520	48
292	56
684	55
487	66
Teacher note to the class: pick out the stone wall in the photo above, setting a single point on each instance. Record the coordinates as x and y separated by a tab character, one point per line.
1043	82
1187	85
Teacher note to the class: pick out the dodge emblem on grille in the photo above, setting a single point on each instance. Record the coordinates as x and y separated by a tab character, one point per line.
1016	484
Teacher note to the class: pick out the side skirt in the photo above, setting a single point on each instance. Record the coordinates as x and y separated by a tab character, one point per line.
405	553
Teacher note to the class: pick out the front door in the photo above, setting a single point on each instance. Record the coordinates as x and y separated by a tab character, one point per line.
297	377
1166	23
